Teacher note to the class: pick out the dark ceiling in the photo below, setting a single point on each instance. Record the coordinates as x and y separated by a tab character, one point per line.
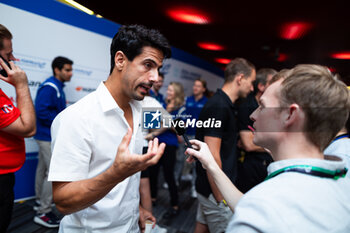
249	29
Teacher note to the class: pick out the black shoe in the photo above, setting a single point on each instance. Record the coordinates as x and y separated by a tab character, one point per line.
171	213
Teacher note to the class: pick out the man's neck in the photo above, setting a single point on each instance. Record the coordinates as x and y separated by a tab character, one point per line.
231	91
342	131
296	146
117	93
58	79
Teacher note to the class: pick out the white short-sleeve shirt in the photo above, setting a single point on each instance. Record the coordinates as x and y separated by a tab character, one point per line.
85	139
294	202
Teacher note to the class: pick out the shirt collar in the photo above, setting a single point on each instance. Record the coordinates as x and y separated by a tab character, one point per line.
330	163
201	99
228	100
57	82
108	103
106	100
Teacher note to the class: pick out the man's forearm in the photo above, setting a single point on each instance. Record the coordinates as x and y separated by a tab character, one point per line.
71	197
215	190
25	105
227	189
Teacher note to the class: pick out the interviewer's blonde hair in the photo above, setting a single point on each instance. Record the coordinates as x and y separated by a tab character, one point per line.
324	100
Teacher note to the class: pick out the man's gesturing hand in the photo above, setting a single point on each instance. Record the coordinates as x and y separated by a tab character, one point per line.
126	163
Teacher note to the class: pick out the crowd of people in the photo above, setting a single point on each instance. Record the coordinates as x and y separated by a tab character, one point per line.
276	161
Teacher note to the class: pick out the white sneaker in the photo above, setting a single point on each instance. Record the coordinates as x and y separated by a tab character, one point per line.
37	205
165	185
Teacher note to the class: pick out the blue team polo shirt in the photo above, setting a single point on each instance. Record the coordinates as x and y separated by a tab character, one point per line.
169	137
193	109
50	100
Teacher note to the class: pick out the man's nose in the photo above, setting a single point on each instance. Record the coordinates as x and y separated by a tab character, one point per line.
154	77
252	116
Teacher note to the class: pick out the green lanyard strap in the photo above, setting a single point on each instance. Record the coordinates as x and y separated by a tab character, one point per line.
311	170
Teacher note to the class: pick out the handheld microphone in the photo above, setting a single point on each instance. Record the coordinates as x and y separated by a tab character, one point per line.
181	132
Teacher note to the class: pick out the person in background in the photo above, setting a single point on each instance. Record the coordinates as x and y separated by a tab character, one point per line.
154	91
213	215
174	106
49	102
296	128
194	105
15	124
254	159
94	169
149	104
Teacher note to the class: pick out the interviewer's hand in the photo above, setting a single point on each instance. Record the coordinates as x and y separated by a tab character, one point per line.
126	163
201	152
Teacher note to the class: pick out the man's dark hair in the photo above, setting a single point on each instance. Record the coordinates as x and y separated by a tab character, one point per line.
4	34
131	39
238	66
59	62
261	77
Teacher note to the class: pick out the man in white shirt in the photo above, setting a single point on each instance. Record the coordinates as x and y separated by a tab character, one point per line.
95	182
305	191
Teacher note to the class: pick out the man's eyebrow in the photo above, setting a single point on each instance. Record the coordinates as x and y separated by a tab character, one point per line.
151	60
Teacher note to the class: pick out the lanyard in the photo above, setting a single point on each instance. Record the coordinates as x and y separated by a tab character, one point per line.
310	170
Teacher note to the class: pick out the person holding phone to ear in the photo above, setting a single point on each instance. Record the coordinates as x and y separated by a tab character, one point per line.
15	124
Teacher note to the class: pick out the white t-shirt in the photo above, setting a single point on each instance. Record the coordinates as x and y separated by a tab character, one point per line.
85	139
295	202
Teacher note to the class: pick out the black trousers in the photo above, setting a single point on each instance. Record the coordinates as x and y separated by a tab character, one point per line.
167	161
7	182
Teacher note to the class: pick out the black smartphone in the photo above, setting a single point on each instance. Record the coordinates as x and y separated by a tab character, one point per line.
3	71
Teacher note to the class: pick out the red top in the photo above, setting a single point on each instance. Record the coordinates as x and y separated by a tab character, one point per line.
12	150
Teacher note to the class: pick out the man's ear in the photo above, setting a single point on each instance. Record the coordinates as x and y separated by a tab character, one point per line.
292	116
239	78
119	60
